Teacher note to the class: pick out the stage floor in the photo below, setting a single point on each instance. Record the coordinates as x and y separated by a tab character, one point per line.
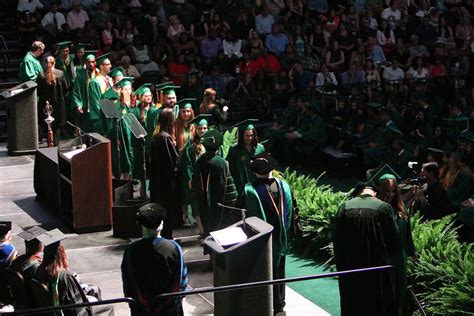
96	257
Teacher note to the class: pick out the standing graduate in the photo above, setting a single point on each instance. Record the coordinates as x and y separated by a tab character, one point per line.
95	120
65	63
271	200
52	87
80	87
152	266
80	51
366	235
212	184
184	130
164	188
390	193
242	153
116	74
166	99
209	106
144	103
126	104
31	67
191	152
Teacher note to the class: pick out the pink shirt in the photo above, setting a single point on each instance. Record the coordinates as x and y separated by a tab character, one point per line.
76	19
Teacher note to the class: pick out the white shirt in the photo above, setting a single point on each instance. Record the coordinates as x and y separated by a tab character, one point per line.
49	19
25	5
232	48
388	12
393	74
322	80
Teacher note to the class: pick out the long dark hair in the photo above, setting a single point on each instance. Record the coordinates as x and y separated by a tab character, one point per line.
166	123
241	138
397	201
54	260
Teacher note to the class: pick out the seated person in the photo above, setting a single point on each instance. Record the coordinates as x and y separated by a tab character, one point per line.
152	266
7	250
63	285
28	263
433	203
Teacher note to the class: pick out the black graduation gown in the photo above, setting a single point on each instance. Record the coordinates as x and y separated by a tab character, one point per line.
164	181
54	94
152	266
366	235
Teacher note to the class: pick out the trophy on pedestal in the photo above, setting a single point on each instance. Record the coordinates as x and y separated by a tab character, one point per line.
48	110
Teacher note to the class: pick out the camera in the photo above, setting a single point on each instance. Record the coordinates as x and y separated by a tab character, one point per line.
416	169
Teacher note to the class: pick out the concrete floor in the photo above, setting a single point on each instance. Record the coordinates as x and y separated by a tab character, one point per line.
96	257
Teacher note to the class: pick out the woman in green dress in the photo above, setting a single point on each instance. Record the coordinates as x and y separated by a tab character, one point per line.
390	193
126	103
184	130
241	154
192	150
144	103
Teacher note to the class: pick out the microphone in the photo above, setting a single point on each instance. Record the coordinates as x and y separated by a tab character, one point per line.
81	132
231	208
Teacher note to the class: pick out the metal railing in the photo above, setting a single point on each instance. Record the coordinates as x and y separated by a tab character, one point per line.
35	311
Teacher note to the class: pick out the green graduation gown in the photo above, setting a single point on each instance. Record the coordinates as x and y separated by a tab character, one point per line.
94	117
186	165
239	162
68	68
212	183
30	68
137	147
80	92
258	202
366	234
126	149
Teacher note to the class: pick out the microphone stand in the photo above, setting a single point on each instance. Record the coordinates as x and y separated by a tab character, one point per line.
231	208
81	132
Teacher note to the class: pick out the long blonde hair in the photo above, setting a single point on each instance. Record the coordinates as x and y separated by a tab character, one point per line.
50	72
181	131
207	102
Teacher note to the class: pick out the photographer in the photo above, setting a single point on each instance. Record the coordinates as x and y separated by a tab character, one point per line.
433	203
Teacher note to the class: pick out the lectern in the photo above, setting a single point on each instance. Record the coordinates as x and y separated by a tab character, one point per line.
247	261
22	118
85	183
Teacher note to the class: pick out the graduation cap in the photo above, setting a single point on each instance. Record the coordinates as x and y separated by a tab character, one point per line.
374	105
31	233
81	46
193	72
89	54
394	129
144	88
386	172
63	45
5	227
459	118
110	94
115	72
151	215
52	237
125	81
201	120
167	88
246	125
212	139
467	136
263	164
186	103
100	59
436	151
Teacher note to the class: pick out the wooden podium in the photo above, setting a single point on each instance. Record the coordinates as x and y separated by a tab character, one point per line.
85	183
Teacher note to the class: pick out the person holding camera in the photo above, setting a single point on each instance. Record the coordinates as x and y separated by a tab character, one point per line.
433	203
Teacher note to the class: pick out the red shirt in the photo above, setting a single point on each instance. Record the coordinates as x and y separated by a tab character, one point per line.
269	63
179	70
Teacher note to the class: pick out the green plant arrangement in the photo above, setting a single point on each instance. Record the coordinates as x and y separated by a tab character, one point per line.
230	138
443	276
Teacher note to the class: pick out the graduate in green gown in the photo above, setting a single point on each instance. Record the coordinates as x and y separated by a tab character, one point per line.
184	130
192	150
212	184
366	234
144	103
390	192
95	119
126	104
31	67
116	74
271	200
65	63
166	99
241	154
80	87
80	52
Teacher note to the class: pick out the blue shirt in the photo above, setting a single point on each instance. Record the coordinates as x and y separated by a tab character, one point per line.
277	43
378	54
6	251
